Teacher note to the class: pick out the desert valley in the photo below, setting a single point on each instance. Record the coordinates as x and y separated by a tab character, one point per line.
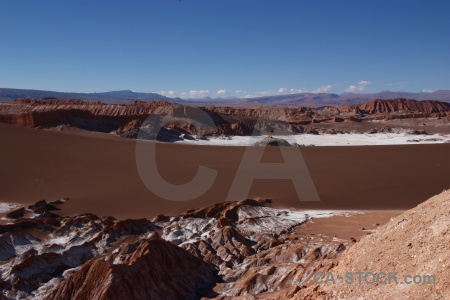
103	234
249	150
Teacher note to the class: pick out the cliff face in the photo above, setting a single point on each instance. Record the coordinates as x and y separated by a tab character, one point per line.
82	114
268	112
403	105
124	118
121	118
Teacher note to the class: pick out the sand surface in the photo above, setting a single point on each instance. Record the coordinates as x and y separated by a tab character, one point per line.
98	173
347	227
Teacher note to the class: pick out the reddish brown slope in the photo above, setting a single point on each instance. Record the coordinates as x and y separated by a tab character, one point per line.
269	113
35	113
122	118
404	105
416	243
99	171
155	270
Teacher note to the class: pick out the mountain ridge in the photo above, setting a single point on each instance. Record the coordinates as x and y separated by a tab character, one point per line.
287	100
110	97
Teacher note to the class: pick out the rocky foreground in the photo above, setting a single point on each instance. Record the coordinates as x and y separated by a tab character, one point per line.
227	250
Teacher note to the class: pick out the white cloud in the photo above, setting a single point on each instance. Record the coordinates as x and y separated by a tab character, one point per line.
322	89
198	94
194	94
325	89
259	94
427	91
245	94
222	92
167	93
189	94
286	91
354	88
359	88
297	91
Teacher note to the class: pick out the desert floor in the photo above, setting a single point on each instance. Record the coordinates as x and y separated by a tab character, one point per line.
98	173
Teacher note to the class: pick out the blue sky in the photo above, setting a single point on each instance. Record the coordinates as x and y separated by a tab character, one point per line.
196	48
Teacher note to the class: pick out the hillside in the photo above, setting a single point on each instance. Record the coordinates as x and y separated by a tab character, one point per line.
414	243
400	105
126	119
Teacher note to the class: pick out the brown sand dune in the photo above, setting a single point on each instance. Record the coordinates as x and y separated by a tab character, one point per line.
98	172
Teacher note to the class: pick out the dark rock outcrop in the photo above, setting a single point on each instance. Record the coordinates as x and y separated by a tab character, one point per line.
271	141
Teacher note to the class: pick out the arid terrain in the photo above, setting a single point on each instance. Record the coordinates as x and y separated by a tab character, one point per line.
243	250
103	234
211	150
98	171
427	117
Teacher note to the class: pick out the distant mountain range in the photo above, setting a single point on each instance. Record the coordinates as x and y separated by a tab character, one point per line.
324	99
124	96
291	100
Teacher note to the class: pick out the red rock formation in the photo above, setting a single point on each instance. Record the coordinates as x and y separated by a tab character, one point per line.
222	209
155	270
238	128
352	119
267	113
254	248
337	119
55	102
133	124
311	130
295	128
404	105
86	115
125	119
